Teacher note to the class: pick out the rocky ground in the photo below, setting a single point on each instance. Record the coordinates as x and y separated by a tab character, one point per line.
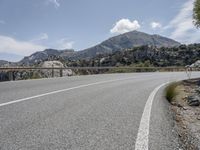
35	74
186	107
56	64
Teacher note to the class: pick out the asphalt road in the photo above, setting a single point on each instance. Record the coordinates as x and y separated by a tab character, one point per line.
85	112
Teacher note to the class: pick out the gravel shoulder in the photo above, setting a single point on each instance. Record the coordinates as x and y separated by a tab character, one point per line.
186	109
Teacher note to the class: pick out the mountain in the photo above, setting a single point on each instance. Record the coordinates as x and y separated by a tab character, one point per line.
116	43
3	62
10	57
41	56
126	41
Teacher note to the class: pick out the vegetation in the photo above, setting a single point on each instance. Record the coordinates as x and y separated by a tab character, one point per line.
35	75
171	91
143	56
196	14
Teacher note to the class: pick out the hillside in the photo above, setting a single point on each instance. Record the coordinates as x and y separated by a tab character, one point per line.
116	43
142	56
125	41
3	62
145	56
42	56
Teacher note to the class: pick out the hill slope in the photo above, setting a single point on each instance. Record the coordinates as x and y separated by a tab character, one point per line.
126	41
145	56
117	43
3	62
42	56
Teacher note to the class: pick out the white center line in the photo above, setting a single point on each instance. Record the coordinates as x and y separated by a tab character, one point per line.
62	90
142	141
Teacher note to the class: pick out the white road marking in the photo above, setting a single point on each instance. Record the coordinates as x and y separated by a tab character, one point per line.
142	141
59	91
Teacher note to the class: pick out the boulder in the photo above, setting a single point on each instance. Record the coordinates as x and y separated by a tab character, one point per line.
196	64
55	64
193	100
198	89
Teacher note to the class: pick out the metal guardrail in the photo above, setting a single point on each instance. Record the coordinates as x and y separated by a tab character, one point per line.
85	68
11	70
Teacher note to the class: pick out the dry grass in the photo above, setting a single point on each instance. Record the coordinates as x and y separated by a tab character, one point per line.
171	91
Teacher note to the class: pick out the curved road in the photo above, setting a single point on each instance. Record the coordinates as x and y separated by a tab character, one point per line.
97	112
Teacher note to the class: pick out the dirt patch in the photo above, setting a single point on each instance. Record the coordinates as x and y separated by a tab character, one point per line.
187	113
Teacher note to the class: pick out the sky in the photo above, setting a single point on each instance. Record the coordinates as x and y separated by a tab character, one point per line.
27	26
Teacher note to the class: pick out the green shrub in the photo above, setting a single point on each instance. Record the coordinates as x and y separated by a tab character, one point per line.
171	91
35	75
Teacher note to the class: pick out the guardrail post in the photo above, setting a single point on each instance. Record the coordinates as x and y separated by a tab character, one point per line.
10	75
52	71
61	72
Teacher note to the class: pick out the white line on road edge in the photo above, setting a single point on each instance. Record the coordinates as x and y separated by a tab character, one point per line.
59	91
142	141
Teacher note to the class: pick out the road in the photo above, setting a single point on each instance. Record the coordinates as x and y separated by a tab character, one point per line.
96	112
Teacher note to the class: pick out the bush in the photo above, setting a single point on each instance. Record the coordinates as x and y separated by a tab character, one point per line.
35	75
171	91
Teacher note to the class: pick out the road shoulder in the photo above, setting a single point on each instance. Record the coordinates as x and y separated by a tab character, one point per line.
185	105
163	133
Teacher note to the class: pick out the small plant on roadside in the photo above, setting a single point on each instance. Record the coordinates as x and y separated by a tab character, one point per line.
171	91
35	75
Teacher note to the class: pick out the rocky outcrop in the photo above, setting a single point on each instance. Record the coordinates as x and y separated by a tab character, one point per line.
48	54
34	74
196	64
54	64
146	56
193	100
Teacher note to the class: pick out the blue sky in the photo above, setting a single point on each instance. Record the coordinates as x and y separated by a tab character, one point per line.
27	26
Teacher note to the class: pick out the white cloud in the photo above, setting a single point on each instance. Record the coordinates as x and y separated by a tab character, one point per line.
55	3
13	46
65	44
41	37
155	25
125	25
182	25
2	22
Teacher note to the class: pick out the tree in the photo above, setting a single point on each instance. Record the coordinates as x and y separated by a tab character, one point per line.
196	14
